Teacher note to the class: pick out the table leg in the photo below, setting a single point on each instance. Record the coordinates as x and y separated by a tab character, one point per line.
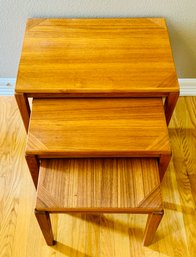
23	105
170	103
43	219
33	164
163	164
151	226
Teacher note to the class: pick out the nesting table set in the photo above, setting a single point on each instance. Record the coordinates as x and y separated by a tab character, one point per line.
103	93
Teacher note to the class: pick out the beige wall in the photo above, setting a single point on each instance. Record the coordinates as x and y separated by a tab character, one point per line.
180	16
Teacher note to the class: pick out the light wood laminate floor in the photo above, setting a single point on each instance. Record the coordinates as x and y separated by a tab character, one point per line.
98	235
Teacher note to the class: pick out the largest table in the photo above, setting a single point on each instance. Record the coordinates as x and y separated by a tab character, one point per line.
96	58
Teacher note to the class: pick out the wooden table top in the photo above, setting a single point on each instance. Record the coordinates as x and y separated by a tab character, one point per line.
98	127
99	185
97	57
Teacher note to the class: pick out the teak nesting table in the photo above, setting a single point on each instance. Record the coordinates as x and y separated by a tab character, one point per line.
96	58
97	131
103	127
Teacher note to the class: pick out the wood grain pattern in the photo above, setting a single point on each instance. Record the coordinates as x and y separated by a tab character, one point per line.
24	108
99	185
170	103
152	224
96	56
183	137
13	187
43	219
98	128
163	164
33	164
108	235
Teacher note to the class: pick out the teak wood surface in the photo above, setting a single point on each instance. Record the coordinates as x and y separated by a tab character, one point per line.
99	185
123	127
97	57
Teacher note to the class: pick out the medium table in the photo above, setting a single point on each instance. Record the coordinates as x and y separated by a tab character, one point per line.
97	127
96	58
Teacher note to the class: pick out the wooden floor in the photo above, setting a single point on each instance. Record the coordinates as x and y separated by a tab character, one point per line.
98	235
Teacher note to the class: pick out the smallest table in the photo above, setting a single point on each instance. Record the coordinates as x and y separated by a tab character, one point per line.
99	186
96	58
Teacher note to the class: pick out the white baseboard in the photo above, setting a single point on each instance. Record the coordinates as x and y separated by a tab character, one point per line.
187	86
